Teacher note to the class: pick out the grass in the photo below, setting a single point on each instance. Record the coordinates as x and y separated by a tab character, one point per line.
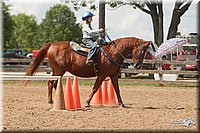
122	82
157	84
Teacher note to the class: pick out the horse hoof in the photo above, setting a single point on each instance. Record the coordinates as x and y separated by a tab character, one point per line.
87	106
50	102
122	105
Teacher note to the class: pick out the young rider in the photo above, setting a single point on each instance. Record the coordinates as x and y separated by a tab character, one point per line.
90	36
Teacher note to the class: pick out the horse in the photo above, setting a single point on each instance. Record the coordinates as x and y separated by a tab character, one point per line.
63	58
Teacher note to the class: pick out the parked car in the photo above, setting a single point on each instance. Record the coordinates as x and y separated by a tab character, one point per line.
35	53
10	57
18	51
14	55
30	55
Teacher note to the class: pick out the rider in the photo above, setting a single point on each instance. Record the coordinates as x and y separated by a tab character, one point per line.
90	36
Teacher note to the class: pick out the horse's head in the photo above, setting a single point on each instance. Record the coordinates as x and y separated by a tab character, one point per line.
138	54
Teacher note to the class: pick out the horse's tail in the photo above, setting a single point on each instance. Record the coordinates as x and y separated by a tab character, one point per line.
38	59
36	62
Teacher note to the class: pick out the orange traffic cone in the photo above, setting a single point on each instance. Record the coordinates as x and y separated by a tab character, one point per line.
105	93
59	102
97	98
76	95
69	101
111	93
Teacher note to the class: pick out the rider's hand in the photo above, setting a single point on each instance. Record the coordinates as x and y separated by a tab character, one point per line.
101	30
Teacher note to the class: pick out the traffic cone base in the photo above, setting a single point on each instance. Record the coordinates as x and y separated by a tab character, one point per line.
76	95
105	93
97	98
69	100
59	102
111	93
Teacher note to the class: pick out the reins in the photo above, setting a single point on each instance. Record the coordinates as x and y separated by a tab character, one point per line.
110	59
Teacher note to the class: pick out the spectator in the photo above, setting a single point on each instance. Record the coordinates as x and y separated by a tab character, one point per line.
165	66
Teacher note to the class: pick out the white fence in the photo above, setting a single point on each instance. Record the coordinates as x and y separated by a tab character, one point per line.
17	77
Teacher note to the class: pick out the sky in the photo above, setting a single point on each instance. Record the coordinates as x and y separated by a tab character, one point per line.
122	22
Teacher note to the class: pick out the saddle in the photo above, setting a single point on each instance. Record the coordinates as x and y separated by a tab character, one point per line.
83	50
80	48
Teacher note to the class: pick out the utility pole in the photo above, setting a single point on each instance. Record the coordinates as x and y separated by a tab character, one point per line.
102	13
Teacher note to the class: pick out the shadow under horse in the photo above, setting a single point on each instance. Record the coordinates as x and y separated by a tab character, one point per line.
63	58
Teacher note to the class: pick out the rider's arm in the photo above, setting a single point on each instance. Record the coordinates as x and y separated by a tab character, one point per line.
88	32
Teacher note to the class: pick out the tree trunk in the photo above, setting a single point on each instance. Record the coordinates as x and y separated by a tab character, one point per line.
160	24
176	18
156	13
173	28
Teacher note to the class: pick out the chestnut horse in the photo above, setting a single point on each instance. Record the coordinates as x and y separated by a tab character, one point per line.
63	58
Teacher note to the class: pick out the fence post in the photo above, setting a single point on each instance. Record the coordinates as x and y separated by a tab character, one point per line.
161	83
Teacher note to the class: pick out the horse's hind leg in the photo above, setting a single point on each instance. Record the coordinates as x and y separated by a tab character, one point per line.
98	82
50	87
114	80
53	84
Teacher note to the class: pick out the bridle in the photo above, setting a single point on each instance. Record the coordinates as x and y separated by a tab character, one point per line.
121	65
139	56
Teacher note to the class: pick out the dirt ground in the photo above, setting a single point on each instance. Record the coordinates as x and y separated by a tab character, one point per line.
148	108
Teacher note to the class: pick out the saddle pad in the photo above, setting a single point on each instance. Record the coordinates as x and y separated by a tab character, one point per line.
79	48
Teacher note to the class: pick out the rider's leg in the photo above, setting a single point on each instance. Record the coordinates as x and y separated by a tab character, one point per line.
92	52
93	47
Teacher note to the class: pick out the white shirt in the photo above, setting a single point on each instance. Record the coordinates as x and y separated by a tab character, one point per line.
89	33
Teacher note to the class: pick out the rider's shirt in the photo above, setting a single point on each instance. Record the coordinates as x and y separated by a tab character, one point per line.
89	33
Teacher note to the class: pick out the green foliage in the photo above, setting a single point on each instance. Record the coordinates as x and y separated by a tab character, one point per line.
78	4
7	25
60	24
22	31
25	31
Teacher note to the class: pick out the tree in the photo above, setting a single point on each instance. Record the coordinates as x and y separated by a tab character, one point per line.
91	3
179	9
155	10
7	25
60	24
25	30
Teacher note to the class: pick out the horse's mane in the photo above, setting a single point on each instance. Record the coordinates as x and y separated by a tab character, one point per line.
131	40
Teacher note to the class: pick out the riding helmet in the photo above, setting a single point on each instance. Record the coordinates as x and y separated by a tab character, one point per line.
87	14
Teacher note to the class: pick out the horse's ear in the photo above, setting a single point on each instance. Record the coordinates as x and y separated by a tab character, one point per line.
147	43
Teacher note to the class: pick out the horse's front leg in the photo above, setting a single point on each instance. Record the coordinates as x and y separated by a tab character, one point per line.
98	82
115	83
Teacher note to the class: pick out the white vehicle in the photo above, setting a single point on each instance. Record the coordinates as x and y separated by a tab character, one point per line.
30	55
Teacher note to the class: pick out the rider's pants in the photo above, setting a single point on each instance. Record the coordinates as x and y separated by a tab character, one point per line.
93	48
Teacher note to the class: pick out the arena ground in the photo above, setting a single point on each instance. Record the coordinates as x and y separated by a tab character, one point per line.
148	108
